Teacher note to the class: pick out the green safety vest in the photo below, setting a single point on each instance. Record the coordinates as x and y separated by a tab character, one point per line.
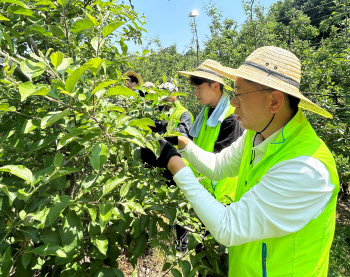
206	140
177	112
302	253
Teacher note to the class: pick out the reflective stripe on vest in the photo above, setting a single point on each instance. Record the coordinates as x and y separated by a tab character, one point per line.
302	253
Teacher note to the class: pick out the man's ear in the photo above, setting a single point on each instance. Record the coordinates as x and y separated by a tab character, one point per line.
277	99
215	85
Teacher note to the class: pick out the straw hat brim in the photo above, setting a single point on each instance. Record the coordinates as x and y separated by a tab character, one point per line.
137	76
260	77
205	75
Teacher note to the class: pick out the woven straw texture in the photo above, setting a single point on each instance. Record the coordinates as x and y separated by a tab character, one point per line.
274	60
137	76
206	74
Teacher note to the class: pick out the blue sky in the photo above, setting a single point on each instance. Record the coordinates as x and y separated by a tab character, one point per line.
169	21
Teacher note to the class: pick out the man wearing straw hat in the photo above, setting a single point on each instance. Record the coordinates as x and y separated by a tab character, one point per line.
214	129
133	81
215	126
283	217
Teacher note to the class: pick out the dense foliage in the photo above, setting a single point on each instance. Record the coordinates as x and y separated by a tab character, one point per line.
74	195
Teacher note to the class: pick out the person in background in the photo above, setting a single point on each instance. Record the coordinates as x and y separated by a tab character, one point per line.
282	220
134	80
216	126
183	118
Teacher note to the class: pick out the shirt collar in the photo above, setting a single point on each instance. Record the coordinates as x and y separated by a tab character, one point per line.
261	144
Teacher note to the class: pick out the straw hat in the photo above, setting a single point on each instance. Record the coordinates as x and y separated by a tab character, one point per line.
137	76
276	68
203	71
168	86
149	85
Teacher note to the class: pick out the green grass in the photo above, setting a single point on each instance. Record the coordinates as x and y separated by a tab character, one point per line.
339	260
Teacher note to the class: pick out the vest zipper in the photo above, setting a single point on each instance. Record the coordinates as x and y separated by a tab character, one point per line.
264	254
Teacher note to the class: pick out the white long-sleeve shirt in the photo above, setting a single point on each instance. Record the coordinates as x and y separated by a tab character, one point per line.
289	195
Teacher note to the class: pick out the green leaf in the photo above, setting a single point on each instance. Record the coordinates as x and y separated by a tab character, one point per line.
93	19
95	43
105	213
186	267
63	3
115	108
71	233
118	90
134	206
26	258
112	183
170	213
39	30
29	89
56	58
81	25
16	2
176	272
57	161
74	134
92	212
88	182
101	243
103	85
179	94
28	126
4	106
111	27
4	18
94	65
151	96
52	117
20	171
124	47
166	266
32	233
132	131
50	249
125	189
140	246
5	262
142	121
57	31
64	65
20	10
32	69
99	156
73	78
48	215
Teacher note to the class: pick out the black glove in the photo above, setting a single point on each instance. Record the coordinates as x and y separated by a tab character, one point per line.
148	157
160	126
166	152
174	140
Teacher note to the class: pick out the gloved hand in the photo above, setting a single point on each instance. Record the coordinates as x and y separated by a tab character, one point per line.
174	140
160	126
166	152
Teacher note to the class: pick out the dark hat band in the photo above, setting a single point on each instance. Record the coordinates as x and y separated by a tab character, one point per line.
274	73
209	71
